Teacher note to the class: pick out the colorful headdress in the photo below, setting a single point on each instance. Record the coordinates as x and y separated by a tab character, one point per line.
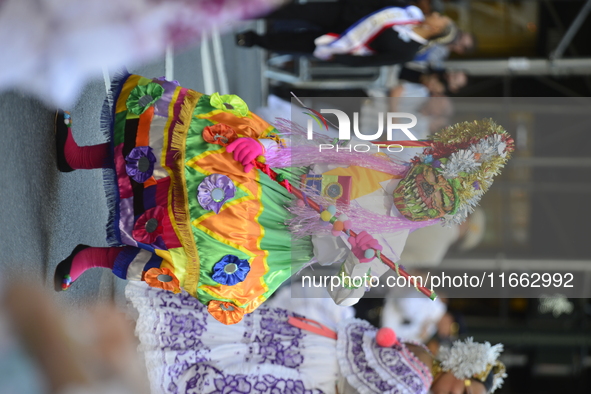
448	179
472	360
466	360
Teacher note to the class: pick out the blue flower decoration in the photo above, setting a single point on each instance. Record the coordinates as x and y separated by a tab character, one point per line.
230	270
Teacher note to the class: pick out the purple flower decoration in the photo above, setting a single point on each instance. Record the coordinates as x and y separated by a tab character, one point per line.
140	163
163	79
230	270
214	191
476	185
436	164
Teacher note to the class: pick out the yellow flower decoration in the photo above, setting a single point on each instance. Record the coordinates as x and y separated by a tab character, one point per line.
229	103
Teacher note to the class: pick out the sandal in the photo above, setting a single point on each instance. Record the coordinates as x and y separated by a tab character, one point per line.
61	279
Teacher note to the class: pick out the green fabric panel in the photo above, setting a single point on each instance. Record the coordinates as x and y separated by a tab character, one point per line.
204	297
195	144
203	105
283	258
277	239
144	81
210	252
292	174
119	130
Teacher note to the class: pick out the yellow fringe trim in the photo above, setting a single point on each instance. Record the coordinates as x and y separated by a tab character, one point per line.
179	191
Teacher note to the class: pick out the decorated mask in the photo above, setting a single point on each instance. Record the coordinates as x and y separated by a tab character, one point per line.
448	179
424	194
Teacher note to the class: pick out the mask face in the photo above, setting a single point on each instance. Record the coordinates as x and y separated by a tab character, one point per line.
424	194
450	176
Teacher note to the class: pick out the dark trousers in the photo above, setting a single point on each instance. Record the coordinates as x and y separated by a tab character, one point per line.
296	42
319	18
324	16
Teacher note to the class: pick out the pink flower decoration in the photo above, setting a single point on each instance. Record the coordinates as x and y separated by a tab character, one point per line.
148	227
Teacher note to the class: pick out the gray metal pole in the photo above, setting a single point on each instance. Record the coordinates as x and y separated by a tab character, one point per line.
522	66
572	30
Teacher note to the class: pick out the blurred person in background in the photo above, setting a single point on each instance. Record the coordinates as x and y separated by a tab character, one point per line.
432	113
421	319
52	48
437	82
43	350
383	36
411	317
415	317
433	56
427	246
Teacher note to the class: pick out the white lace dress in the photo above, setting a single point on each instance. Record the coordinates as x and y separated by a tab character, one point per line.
188	351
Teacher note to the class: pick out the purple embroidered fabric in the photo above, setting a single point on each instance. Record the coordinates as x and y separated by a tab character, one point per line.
370	368
273	347
189	352
208	379
185	348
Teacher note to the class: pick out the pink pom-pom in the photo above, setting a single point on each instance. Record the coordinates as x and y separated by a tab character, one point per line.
386	337
300	203
347	224
336	233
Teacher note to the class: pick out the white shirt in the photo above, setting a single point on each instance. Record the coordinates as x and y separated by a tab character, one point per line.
329	249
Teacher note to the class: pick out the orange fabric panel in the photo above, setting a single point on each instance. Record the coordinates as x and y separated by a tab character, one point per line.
151	181
249	126
237	224
143	131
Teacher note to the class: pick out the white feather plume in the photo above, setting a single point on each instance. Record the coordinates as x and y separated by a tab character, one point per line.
467	358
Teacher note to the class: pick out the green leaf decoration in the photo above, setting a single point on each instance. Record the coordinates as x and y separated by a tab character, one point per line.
229	103
143	97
